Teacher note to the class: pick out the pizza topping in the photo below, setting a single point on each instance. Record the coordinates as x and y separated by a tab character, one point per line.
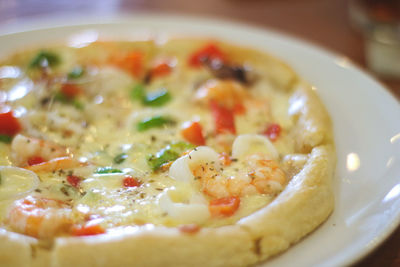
137	92
118	159
228	94
258	173
153	122
35	160
44	59
40	217
130	181
223	118
181	169
5	138
24	147
157	133
132	62
74	180
187	208
9	124
105	170
157	98
154	99
68	95
223	70
209	52
226	206
16	182
273	131
55	164
192	132
76	73
169	153
160	68
247	144
70	90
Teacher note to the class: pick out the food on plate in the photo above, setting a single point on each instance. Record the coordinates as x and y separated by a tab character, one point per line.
190	152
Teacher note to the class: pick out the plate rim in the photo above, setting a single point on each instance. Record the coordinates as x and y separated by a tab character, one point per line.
41	23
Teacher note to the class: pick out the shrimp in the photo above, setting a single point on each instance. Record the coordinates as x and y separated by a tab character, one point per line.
56	164
257	175
253	174
227	93
40	217
23	148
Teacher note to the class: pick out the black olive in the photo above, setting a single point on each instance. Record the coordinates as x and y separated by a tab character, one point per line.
222	70
45	101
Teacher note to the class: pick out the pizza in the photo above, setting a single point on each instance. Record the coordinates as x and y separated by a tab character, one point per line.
186	152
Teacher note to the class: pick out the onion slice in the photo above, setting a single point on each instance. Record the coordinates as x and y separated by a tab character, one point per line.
15	182
247	144
193	211
180	169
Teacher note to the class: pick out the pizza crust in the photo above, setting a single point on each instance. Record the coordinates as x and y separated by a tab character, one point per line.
305	203
301	207
265	233
9	244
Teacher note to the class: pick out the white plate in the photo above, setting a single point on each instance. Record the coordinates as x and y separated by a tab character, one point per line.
366	122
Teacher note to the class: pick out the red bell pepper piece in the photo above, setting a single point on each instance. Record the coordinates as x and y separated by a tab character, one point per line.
226	206
9	124
273	131
74	180
130	181
131	62
70	90
223	117
192	132
35	160
160	69
208	52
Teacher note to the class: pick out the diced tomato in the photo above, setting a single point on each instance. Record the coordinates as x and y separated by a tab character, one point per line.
223	118
130	181
74	180
226	206
160	69
9	125
192	132
131	62
273	131
86	230
208	52
239	109
70	90
35	160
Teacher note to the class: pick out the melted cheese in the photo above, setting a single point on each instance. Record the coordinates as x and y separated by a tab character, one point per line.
106	127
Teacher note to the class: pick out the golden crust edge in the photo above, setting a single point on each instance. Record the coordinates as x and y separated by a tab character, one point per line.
304	205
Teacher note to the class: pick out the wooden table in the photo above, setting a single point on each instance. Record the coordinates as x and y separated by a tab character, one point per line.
324	22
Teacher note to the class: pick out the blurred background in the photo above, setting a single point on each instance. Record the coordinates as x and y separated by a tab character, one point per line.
365	31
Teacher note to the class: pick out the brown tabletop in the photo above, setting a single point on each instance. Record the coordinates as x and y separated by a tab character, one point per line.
324	22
